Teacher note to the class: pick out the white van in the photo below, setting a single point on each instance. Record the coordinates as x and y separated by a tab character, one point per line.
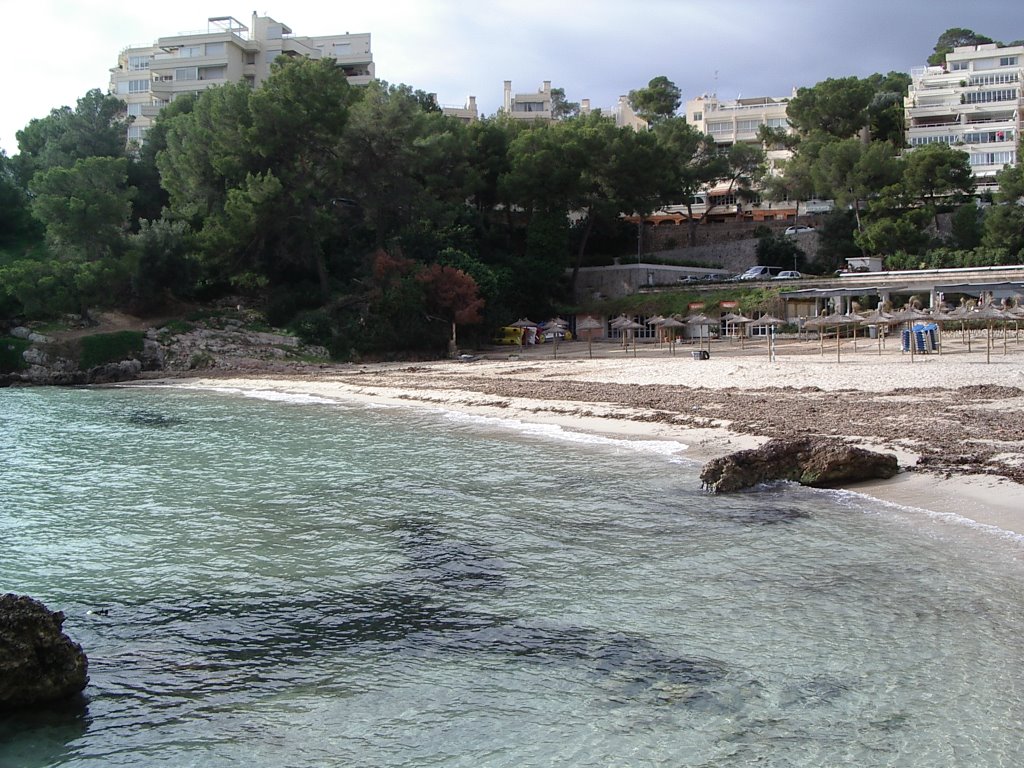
760	273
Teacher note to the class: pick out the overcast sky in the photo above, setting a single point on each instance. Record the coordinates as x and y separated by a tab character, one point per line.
56	50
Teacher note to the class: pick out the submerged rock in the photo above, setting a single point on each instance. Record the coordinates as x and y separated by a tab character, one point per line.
39	664
816	462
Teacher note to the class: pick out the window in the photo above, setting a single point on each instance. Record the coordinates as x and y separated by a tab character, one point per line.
994	79
135	109
777	122
982	97
341	49
213	73
993	158
190	51
138	86
698	116
747	126
720	126
1008	61
957	66
137	63
186	73
985	137
215	49
136	133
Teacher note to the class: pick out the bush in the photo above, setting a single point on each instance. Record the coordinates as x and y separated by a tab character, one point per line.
11	351
314	326
105	348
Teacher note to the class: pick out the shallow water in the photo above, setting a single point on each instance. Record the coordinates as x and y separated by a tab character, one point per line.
292	582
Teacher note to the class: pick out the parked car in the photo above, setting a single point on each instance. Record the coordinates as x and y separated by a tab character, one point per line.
760	273
789	274
798	229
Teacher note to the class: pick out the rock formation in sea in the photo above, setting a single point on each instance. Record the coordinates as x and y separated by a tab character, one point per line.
817	462
39	664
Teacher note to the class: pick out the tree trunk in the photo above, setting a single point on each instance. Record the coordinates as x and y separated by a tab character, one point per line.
579	253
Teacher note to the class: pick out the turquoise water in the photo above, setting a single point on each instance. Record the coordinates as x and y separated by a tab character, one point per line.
289	582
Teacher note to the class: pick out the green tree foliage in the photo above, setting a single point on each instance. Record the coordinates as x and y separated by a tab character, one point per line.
967	227
693	162
561	107
95	128
160	265
17	227
837	106
954	38
1004	230
850	172
937	170
659	101
888	236
777	250
85	207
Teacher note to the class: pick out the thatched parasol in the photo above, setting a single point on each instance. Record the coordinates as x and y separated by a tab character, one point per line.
589	324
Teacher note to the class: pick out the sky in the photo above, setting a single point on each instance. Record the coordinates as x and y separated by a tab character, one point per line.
57	50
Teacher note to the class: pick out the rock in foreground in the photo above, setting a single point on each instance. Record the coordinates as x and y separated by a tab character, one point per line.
817	462
39	664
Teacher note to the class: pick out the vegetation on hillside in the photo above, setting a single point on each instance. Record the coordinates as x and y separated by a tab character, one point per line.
367	221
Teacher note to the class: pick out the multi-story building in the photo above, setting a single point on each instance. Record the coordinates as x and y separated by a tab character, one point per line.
149	77
737	121
467	113
528	106
973	103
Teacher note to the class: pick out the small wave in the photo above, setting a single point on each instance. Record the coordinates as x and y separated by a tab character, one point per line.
667	448
272	395
847	497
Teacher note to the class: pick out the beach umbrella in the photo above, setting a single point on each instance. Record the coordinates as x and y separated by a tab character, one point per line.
940	316
817	323
876	318
702	321
990	313
838	319
963	314
734	319
556	326
523	323
908	316
589	324
768	322
632	326
657	321
671	322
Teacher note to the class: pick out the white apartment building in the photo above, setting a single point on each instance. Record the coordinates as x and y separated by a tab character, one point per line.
149	77
733	121
528	106
973	103
467	113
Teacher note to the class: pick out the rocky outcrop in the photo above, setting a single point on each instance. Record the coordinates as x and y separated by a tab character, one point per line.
39	664
816	462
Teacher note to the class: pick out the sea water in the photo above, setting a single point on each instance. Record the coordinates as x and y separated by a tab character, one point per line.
289	581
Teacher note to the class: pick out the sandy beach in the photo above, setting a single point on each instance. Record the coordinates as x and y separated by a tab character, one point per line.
955	420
